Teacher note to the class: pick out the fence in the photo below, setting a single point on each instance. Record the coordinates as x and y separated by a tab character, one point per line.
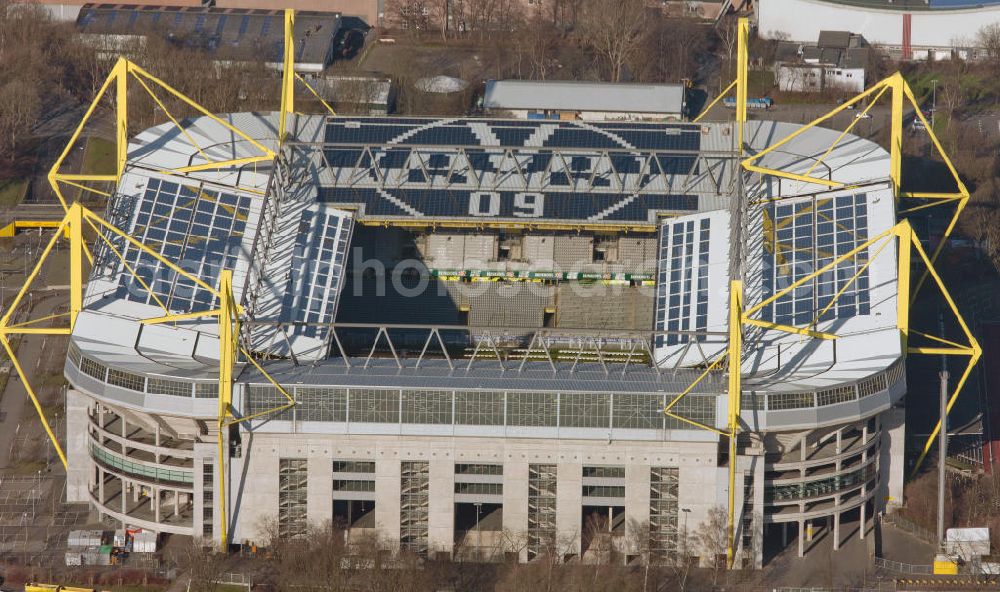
235	579
903	568
907	526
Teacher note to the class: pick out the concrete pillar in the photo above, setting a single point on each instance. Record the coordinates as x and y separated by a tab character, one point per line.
319	488
387	493
515	502
569	507
156	504
784	535
441	507
802	538
637	478
177	508
836	529
100	485
77	446
124	499
861	531
197	495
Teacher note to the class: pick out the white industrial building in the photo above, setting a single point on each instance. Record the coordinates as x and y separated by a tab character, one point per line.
481	322
910	29
589	101
837	61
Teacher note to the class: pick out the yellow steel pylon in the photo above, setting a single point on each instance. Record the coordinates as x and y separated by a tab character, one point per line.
735	359
71	227
287	75
739	83
900	95
121	74
907	242
228	314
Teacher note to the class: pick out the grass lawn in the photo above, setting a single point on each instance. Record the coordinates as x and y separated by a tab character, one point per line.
760	83
98	157
12	192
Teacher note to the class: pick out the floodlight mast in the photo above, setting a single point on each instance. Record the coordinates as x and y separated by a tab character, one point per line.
901	95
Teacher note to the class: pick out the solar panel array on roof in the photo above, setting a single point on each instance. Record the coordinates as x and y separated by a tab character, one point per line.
682	286
594	207
515	134
317	270
804	236
565	170
199	229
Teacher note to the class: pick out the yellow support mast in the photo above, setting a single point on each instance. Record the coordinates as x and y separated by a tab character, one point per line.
739	82
72	224
742	65
735	355
121	74
287	75
228	333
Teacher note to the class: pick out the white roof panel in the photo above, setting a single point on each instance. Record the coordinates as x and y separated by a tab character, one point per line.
584	96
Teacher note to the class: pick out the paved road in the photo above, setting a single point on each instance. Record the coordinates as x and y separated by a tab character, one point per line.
849	566
32	211
14	401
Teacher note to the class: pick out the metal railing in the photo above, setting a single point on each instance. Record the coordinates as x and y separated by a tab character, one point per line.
910	527
903	568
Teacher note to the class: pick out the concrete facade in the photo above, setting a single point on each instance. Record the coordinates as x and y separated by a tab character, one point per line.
254	488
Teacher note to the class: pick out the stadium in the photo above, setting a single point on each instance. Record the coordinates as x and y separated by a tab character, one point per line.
492	338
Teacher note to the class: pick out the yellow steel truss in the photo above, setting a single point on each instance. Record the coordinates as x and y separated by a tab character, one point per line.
17	226
228	315
122	72
900	95
739	83
907	242
287	75
71	227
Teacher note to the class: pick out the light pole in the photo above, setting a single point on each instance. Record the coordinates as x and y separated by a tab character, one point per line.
479	534
685	511
934	84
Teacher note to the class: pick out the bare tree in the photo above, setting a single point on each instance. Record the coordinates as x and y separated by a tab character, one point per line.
713	538
988	38
670	49
22	105
727	31
614	31
541	44
203	566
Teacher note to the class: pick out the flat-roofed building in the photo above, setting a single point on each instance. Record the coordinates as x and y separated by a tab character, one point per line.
227	34
597	101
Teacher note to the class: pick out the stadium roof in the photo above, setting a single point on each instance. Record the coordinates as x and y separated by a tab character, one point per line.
229	33
584	96
293	280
